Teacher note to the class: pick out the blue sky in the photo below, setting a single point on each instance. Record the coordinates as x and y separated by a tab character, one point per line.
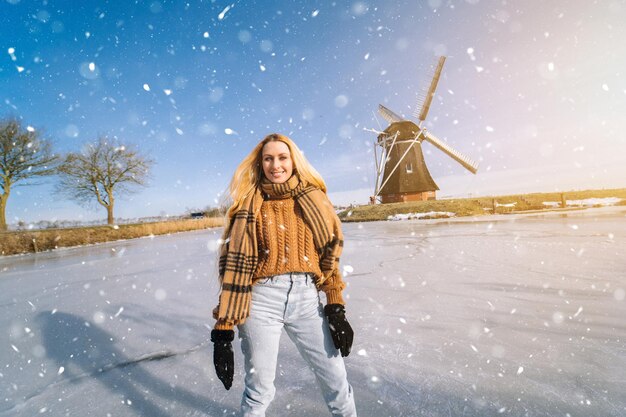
534	91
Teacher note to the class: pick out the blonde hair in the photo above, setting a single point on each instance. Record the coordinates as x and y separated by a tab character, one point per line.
249	174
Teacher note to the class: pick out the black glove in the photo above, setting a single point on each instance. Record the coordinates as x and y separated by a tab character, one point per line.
223	357
339	327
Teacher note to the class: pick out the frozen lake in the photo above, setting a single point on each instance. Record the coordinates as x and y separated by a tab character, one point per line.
502	315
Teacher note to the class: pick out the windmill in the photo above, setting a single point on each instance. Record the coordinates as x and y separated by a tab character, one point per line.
401	173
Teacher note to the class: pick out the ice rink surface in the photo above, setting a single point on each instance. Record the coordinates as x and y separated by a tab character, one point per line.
518	315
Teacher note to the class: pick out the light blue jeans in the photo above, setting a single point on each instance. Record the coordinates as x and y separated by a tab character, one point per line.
290	301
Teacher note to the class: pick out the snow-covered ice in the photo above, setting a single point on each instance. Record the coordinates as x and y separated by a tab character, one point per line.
500	315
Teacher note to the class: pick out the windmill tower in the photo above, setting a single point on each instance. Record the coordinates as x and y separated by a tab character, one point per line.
401	172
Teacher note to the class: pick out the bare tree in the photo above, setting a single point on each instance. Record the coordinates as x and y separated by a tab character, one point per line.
24	155
101	172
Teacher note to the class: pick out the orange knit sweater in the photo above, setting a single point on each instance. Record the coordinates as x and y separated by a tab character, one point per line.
285	244
284	240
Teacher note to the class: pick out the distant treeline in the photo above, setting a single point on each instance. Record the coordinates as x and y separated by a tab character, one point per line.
26	241
21	225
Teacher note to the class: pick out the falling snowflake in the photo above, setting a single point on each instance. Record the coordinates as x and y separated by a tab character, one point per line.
160	294
341	101
470	52
223	12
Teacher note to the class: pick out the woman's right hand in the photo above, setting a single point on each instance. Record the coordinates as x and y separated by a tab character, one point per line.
223	357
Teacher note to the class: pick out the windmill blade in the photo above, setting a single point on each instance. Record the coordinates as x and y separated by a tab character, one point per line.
457	156
427	97
388	115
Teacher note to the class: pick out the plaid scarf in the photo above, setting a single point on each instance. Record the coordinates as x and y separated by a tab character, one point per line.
239	252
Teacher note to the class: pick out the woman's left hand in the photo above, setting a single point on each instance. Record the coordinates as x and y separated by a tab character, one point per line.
340	329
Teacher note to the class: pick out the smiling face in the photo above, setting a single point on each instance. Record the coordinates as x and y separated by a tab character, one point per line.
277	162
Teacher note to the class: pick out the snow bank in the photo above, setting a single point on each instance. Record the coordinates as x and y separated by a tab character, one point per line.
429	215
588	202
506	205
609	201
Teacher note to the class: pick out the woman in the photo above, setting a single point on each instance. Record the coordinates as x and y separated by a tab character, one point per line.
280	247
